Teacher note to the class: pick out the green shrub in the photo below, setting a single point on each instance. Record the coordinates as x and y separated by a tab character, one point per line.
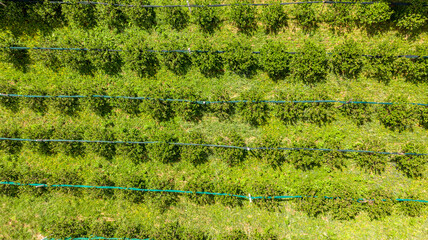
176	17
346	59
103	227
304	159
189	111
423	119
222	110
41	132
103	54
410	208
274	18
230	186
79	15
413	17
240	58
110	15
77	60
378	205
49	58
101	133
380	65
209	62
47	15
65	227
320	113
398	116
360	113
265	189
129	106
306	16
202	182
254	112
162	151
376	13
243	16
236	234
100	177
231	156
412	166
372	162
289	112
275	60
37	104
99	105
339	15
206	17
157	107
9	130
65	105
414	70
194	154
8	102
140	16
310	65
161	200
19	58
9	174
69	132
135	152
273	157
66	177
177	62
139	59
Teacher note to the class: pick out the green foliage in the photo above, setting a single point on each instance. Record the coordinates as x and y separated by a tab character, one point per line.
202	182
376	13
415	70
229	185
254	112
359	113
274	18
379	204
9	174
141	17
138	59
243	16
275	158
194	154
79	15
110	15
101	56
236	234
155	107
163	151
399	116
11	103
129	106
176	17
223	111
49	58
9	130
304	159
410	208
423	119
288	112
67	131
340	15
76	60
206	17
19	58
99	105
232	156
177	62
310	65
412	166
37	104
240	58
320	113
65	105
101	133
371	162
413	17
47	15
189	111
306	16
67	227
40	132
275	60
161	201
209	62
135	152
381	66
346	59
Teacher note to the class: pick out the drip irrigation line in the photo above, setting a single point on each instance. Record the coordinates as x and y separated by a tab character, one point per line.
215	146
202	102
179	51
213	5
194	192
